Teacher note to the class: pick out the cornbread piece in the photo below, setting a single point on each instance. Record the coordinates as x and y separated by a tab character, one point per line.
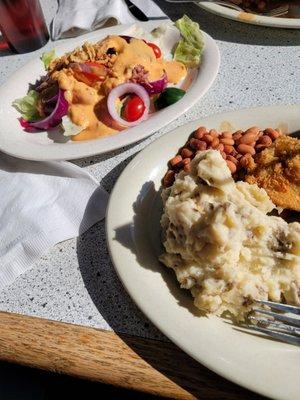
221	243
277	170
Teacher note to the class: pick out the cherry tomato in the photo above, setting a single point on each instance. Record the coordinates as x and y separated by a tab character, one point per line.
94	63
133	108
96	68
156	49
87	77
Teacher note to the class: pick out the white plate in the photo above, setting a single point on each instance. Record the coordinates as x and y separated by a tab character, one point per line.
40	146
248	18
133	235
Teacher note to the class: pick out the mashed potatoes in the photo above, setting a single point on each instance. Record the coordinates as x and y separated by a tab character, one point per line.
221	243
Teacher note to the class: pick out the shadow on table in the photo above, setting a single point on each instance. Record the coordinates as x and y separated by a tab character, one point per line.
187	373
83	162
34	384
232	31
109	296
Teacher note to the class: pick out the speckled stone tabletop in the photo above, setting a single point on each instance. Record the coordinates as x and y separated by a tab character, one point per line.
75	281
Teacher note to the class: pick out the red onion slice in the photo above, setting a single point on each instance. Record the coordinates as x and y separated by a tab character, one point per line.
156	87
119	91
54	119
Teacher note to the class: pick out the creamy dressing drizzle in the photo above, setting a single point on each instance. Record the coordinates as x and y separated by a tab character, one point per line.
88	104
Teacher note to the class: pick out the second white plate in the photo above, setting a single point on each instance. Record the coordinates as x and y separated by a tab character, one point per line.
248	18
42	146
133	235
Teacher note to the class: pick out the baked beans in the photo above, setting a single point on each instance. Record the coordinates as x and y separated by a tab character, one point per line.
237	149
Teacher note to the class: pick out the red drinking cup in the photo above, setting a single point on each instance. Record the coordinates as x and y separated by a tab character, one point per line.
22	25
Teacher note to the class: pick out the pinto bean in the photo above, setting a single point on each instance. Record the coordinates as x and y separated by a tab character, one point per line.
200	132
228	149
253	130
232	159
223	154
227	141
272	133
215	143
248	138
245	148
266	140
175	160
169	178
185	152
201	129
198	144
231	166
187	167
260	147
214	133
182	163
237	135
226	134
208	138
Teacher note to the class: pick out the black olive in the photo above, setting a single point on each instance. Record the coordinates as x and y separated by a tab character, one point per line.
111	50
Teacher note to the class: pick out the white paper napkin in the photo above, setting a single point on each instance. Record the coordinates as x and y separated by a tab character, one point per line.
41	204
75	17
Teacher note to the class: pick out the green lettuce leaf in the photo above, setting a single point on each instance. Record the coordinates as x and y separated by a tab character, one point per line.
48	57
190	48
27	106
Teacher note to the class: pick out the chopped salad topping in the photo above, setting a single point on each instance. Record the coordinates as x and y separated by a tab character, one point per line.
84	89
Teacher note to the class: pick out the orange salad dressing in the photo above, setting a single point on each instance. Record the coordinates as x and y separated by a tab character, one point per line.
87	105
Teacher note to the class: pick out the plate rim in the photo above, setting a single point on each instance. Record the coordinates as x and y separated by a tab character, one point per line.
260	20
96	147
109	239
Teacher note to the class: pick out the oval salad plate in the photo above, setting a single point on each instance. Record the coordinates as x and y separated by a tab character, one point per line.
263	365
255	19
52	145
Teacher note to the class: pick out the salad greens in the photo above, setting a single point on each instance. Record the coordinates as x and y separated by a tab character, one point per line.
48	57
190	47
27	106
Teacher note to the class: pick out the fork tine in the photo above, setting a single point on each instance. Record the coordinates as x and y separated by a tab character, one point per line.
281	10
280	317
280	306
276	335
291	330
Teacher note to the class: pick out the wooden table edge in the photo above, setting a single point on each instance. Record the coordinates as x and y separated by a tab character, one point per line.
131	362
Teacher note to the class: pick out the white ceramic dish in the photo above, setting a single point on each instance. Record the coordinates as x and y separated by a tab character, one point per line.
268	367
43	146
288	23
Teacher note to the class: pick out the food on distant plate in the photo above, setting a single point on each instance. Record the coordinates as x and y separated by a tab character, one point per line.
221	243
100	89
258	6
277	170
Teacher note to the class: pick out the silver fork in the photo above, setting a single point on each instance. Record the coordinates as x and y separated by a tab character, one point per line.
276	322
277	12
